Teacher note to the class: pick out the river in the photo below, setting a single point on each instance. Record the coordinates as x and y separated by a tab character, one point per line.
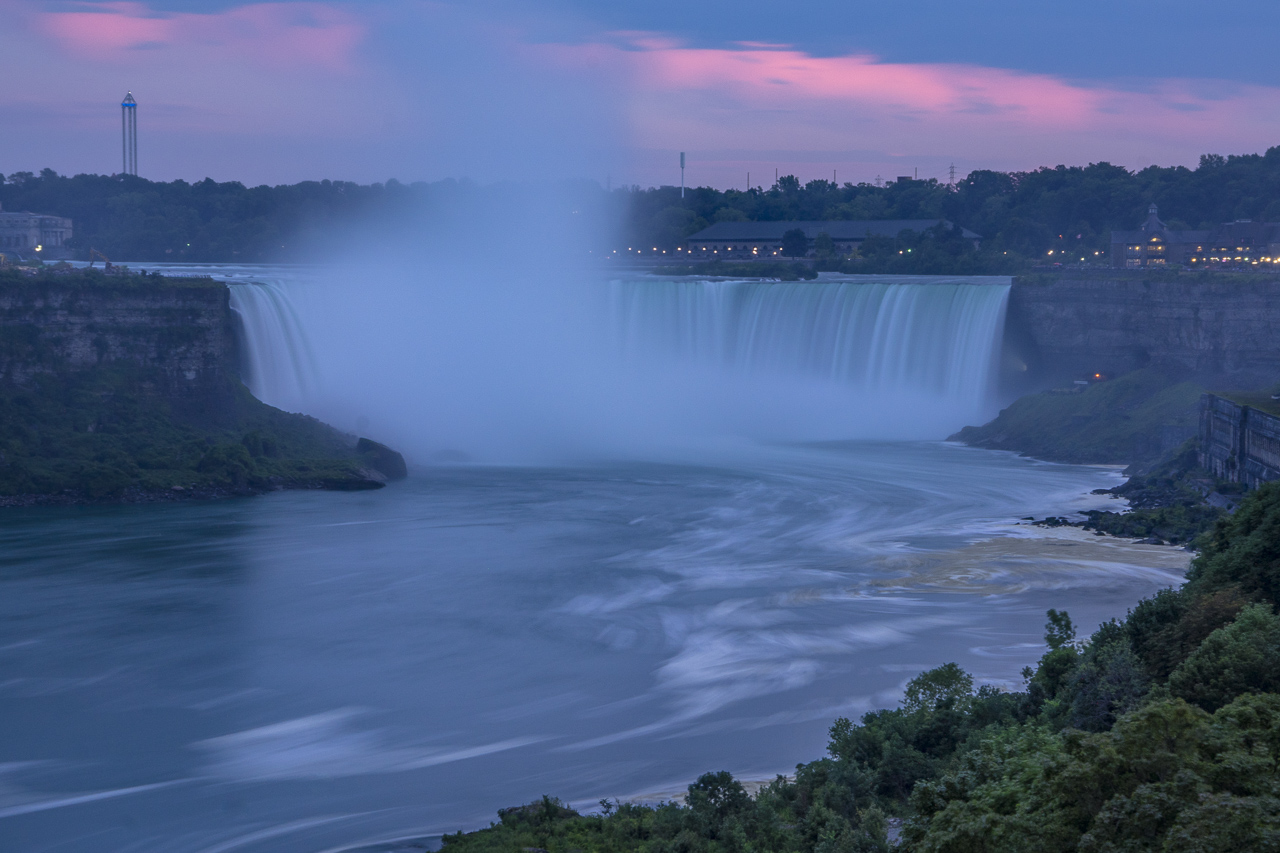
306	672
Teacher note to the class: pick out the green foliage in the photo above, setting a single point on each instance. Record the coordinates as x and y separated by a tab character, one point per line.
1244	550
1240	658
1175	525
794	243
1164	774
1059	630
1108	680
1069	210
824	246
99	435
131	218
819	811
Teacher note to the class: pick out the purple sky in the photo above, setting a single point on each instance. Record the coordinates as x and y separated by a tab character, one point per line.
280	92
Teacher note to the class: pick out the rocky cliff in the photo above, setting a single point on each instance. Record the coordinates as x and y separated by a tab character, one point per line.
1222	329
127	388
176	333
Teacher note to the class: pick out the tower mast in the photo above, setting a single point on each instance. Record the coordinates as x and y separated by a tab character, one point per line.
129	133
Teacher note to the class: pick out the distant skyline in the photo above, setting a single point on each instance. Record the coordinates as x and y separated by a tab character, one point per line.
494	90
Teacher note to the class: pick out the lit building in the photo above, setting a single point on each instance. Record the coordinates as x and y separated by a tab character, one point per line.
1237	244
1233	244
1154	244
34	235
764	239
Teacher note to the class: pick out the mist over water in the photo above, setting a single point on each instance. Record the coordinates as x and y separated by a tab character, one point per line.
528	366
490	324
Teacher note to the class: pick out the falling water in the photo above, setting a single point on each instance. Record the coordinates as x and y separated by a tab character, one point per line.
937	338
512	374
277	361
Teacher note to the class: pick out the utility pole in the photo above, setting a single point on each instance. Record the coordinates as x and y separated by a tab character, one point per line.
681	174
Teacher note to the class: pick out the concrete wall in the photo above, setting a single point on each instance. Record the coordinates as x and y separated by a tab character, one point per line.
1239	443
1227	332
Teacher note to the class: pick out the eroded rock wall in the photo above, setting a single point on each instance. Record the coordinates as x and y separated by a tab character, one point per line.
179	334
1239	443
1225	331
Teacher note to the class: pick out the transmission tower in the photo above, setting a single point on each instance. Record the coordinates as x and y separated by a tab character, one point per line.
129	133
952	181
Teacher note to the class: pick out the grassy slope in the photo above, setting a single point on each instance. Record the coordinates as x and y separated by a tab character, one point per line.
95	435
1116	422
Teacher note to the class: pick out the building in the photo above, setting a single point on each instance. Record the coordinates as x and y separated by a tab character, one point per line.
1240	243
1154	244
1234	244
764	239
33	235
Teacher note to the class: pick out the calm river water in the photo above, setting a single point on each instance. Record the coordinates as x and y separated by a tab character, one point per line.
316	671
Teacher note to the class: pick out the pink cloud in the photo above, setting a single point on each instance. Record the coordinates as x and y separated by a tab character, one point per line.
778	98
284	34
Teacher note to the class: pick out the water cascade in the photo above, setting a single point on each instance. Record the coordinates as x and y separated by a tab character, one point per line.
276	359
939	338
652	363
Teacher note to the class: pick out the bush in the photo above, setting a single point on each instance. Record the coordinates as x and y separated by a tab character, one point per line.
1243	657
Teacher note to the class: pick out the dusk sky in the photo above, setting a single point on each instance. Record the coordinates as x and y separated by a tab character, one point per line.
281	92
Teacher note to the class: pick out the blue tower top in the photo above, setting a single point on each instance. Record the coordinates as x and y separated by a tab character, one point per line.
128	101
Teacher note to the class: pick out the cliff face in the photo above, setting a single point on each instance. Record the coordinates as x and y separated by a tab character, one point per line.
1238	442
176	334
1225	332
127	388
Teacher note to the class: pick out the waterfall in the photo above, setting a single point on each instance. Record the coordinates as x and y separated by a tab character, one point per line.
518	369
938	339
276	359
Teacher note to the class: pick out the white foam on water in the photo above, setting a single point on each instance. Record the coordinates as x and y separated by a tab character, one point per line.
327	746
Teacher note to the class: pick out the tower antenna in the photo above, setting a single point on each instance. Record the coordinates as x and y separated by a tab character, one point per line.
952	181
129	133
681	174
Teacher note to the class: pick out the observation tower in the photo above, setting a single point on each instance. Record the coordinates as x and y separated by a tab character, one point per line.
129	133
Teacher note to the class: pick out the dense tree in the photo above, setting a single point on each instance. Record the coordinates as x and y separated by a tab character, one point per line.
794	243
1022	216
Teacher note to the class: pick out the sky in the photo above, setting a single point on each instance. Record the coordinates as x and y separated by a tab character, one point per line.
497	90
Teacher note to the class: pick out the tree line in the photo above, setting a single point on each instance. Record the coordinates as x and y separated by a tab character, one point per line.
1022	216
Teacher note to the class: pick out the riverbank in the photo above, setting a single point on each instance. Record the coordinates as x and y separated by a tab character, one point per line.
1168	710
